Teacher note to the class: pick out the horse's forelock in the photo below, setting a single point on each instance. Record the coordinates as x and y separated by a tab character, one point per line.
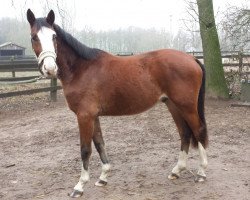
41	22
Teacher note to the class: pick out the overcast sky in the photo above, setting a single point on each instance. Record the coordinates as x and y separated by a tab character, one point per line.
114	14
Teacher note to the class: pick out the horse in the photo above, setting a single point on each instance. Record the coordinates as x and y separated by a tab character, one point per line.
96	83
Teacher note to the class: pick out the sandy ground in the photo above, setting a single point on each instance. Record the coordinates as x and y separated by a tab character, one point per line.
40	158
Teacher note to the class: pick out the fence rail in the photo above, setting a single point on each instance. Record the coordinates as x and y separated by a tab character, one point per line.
32	91
11	79
15	64
26	57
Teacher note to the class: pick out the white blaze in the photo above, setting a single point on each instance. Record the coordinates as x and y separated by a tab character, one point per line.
45	36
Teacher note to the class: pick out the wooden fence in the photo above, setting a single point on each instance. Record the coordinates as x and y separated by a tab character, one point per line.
236	59
232	61
24	64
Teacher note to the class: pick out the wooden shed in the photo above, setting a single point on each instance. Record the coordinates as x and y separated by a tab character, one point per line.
11	49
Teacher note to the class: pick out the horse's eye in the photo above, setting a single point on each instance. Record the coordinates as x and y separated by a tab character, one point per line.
34	38
54	36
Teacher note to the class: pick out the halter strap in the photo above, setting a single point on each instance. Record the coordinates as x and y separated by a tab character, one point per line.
45	54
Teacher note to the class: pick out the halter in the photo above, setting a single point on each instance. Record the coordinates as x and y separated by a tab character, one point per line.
45	54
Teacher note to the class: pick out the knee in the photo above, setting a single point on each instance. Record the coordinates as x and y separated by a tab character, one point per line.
99	146
85	152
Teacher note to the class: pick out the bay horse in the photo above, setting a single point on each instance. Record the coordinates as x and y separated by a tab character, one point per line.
96	83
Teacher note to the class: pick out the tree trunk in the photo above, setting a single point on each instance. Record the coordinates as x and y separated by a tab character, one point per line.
216	82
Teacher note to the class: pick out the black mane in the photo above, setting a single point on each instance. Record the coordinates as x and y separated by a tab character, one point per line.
79	48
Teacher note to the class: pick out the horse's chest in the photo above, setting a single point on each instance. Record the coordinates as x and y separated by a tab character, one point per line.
78	97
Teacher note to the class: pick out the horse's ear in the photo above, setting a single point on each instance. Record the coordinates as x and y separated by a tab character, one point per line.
50	17
31	17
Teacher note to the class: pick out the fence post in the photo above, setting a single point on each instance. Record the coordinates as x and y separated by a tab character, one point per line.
13	74
53	92
240	56
13	71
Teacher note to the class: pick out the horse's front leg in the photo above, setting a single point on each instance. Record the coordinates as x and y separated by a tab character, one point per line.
100	147
86	128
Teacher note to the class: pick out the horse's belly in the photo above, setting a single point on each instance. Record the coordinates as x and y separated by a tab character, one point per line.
125	101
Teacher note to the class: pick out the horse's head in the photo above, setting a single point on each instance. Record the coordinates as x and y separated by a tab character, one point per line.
43	39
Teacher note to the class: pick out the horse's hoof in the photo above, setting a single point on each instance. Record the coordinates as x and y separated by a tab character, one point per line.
173	176
101	183
199	178
76	194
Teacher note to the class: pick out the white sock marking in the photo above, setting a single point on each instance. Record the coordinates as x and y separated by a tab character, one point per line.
181	164
105	170
83	180
203	160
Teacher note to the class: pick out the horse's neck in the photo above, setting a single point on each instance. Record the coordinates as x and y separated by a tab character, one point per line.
66	59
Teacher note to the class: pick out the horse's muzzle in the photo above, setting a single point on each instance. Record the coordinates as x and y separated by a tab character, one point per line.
48	69
47	64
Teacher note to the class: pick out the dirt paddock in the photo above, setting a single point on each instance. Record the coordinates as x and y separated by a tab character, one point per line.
40	157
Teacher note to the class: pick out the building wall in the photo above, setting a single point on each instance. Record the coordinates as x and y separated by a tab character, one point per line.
10	49
18	52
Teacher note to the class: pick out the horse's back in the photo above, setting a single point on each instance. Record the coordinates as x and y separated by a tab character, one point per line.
166	69
133	84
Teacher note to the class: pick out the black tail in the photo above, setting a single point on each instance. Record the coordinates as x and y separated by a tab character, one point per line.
203	137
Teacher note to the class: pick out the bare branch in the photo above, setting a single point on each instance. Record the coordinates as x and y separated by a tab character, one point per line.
236	25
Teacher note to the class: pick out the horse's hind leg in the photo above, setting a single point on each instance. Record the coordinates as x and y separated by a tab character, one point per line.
100	147
199	139
185	135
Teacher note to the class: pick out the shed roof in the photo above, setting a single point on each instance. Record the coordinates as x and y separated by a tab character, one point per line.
6	44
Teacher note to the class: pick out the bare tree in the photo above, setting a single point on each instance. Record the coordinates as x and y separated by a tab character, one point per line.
236	26
191	26
216	83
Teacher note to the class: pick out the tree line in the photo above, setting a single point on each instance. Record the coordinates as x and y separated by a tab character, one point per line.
233	35
131	39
